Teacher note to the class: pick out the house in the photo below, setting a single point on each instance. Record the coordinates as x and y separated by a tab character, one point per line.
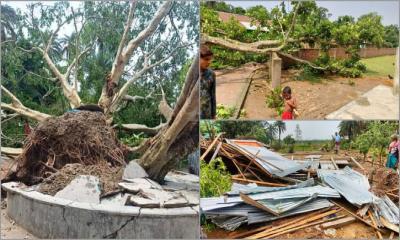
245	21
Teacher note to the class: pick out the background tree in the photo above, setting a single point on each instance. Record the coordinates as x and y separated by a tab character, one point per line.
116	54
281	128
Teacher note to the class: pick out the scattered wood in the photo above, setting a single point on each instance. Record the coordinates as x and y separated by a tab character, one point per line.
391	226
355	215
334	163
210	147
268	184
338	223
391	235
374	223
216	151
295	226
270	227
358	164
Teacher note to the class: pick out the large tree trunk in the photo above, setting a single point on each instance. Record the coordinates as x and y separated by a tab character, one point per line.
181	134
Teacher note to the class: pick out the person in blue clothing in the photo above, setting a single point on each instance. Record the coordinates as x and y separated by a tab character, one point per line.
207	85
337	142
393	155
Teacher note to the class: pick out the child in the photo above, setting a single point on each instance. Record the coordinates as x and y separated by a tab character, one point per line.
392	158
207	87
290	104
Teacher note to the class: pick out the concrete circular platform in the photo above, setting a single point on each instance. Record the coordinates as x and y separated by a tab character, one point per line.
46	216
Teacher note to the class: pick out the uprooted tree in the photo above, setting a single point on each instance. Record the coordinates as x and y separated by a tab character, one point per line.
284	32
152	54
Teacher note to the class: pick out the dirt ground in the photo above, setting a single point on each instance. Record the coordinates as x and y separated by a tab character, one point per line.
315	100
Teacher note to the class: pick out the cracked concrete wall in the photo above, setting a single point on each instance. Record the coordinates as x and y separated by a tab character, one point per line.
49	217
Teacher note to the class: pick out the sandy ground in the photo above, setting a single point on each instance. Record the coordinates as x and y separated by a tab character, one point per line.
315	100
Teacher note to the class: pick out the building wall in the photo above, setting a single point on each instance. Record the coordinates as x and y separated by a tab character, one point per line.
340	53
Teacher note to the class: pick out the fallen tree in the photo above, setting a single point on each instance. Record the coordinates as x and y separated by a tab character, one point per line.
89	138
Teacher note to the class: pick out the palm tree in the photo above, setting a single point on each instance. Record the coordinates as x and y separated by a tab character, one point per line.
281	126
270	131
351	129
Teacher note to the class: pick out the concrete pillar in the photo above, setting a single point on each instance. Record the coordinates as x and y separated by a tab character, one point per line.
276	68
396	79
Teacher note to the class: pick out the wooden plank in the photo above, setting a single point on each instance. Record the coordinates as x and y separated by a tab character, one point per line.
270	233
334	163
238	168
271	227
389	225
338	223
216	151
358	165
391	235
303	226
210	147
268	184
374	223
356	216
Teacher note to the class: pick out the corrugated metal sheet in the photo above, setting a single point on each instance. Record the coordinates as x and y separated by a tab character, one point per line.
270	161
207	204
225	218
321	191
277	207
387	209
349	183
308	207
253	188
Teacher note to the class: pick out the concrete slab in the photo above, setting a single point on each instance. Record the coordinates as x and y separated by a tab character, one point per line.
134	185
380	103
231	86
84	188
134	170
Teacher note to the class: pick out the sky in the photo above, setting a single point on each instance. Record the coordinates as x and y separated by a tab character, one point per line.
389	10
312	130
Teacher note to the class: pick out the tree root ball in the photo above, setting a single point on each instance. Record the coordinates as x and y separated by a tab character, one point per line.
82	137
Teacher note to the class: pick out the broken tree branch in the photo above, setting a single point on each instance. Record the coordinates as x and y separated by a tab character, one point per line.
143	128
17	106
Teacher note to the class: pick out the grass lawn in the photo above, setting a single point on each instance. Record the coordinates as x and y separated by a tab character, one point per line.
379	66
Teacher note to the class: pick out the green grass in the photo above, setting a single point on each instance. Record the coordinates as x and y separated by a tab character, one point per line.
379	66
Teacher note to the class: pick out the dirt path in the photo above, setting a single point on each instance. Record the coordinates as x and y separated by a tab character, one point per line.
315	100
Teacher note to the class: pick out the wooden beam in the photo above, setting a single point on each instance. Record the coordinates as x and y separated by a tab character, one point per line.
338	223
358	164
374	223
216	151
334	163
271	227
268	184
210	147
302	223
356	216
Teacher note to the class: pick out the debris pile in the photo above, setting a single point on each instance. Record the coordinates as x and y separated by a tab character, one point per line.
81	137
310	192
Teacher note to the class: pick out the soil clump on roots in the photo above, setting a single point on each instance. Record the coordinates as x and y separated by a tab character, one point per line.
82	138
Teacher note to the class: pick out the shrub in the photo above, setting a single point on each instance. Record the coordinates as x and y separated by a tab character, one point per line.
275	100
214	178
225	112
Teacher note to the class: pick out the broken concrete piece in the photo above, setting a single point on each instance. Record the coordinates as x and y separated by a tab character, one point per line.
84	188
135	187
134	170
118	199
144	202
175	203
154	184
192	197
